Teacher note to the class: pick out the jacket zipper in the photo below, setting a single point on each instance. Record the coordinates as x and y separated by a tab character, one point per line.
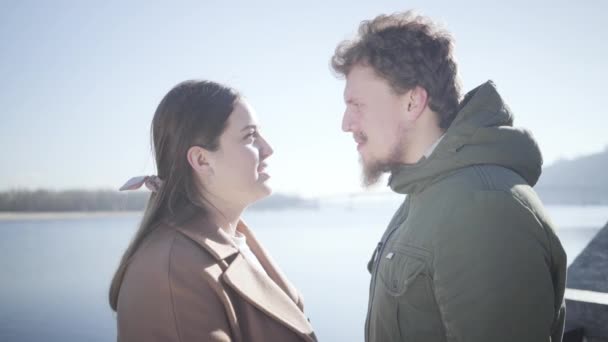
377	256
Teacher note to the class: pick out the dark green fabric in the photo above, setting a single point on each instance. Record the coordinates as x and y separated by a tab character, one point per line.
471	255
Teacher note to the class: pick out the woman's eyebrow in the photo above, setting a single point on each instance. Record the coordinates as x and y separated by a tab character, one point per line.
249	127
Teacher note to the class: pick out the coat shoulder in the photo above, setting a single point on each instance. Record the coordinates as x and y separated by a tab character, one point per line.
164	258
170	287
166	253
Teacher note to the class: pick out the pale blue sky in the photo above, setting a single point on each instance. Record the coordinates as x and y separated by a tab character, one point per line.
80	82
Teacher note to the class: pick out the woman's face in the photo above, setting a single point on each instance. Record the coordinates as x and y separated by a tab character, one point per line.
239	174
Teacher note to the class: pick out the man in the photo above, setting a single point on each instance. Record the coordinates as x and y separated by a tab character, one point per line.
471	254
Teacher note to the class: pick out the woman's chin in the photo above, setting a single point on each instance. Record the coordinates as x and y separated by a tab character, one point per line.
266	189
262	191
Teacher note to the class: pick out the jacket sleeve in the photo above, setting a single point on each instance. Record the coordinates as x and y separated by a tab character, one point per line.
491	271
199	313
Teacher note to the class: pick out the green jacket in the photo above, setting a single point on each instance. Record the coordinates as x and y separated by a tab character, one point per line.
471	255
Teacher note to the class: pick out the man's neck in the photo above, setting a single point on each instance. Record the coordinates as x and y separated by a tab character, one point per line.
432	148
423	144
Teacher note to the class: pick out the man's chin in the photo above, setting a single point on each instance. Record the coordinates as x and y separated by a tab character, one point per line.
371	172
374	168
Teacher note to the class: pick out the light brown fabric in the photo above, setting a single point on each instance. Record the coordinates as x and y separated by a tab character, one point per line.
190	283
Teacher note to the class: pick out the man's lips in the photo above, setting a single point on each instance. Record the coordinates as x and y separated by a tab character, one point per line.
360	139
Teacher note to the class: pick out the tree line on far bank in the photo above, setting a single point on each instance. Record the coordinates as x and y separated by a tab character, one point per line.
109	200
72	200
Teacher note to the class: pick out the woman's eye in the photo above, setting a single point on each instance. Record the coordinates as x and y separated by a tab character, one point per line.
252	134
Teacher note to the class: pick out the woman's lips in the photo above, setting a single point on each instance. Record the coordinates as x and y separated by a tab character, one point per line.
262	167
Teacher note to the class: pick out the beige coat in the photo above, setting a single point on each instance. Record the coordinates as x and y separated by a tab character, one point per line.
190	283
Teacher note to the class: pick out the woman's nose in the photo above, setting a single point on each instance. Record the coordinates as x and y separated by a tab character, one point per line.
266	150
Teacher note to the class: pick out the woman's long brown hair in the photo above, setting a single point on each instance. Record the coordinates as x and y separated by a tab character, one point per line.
192	113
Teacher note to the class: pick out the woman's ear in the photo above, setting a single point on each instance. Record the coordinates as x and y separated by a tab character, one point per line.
199	160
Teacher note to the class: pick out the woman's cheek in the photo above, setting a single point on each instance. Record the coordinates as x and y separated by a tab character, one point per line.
246	161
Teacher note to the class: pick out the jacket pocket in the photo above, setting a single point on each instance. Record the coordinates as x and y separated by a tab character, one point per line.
400	267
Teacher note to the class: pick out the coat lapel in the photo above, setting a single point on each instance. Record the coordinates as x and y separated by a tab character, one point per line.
262	292
271	268
271	293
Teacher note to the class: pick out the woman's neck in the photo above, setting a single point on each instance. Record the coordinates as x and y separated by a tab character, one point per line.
223	213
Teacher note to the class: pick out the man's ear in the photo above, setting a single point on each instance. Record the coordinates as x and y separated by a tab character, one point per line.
415	101
199	159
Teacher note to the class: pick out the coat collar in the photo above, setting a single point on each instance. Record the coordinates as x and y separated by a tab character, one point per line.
271	293
209	236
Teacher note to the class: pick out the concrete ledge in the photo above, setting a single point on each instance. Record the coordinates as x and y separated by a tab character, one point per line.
587	296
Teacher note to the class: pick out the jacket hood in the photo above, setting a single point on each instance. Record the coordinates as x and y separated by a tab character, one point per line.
481	133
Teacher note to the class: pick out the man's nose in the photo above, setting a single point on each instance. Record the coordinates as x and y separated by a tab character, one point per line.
347	121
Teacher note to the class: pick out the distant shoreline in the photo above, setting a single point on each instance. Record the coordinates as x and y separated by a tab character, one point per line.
103	202
56	215
47	215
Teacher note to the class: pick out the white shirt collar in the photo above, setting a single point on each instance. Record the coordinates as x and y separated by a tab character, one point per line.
430	150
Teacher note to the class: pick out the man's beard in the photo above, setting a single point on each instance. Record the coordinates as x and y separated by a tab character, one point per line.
372	171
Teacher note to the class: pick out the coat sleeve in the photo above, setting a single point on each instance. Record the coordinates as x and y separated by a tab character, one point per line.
491	272
198	310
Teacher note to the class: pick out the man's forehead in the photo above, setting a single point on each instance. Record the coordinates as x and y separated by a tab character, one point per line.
359	80
350	92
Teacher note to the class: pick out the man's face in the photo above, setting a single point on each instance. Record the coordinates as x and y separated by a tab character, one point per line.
376	116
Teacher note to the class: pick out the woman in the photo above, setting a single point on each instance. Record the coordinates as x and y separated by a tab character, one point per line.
194	271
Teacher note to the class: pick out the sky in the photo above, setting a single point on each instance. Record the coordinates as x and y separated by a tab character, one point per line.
80	80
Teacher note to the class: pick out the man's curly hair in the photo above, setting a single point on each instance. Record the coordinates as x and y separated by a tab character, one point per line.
407	50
